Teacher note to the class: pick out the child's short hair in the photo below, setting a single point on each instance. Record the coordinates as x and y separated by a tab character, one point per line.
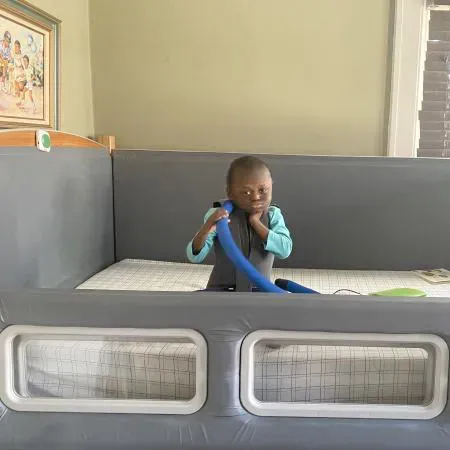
246	163
27	59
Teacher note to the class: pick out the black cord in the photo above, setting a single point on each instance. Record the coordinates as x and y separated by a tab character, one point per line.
346	290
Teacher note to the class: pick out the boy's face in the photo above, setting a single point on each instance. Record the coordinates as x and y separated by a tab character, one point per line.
251	192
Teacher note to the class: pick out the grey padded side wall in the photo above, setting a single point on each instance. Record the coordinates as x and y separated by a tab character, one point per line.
343	212
56	216
224	320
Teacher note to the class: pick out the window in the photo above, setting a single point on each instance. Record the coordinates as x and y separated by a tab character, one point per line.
420	91
434	115
102	370
344	375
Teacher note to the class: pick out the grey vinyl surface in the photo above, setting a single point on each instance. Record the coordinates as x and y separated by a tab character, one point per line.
343	212
224	320
56	216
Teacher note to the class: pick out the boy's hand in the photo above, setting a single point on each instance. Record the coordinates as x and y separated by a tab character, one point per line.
255	217
208	227
255	222
210	224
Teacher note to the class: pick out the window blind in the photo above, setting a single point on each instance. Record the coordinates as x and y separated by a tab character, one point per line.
434	115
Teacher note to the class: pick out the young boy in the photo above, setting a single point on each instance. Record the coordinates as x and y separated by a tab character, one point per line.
257	227
26	85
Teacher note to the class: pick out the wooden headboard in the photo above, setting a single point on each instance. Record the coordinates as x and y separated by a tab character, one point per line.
27	138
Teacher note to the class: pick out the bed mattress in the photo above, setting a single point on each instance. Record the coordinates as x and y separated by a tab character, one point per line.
140	275
289	373
107	370
167	371
330	374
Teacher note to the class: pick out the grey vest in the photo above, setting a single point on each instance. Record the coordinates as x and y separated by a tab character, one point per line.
224	274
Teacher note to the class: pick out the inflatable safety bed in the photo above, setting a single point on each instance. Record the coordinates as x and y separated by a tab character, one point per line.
106	342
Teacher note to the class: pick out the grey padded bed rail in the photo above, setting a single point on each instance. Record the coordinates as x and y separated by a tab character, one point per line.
343	212
56	217
224	320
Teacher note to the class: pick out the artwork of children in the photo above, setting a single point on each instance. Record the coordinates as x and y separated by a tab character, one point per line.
27	70
22	72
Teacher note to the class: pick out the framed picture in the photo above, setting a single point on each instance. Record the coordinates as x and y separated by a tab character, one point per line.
29	66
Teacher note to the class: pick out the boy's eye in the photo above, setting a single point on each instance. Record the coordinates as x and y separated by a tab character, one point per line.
261	191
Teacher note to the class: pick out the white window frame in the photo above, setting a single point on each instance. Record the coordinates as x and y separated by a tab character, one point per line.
410	38
343	410
8	367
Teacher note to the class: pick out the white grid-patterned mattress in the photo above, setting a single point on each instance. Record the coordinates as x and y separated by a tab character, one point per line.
167	371
108	370
293	373
330	374
140	275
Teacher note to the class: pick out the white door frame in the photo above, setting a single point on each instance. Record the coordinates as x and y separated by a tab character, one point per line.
410	37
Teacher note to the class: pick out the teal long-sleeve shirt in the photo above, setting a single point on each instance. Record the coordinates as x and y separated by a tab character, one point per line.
278	241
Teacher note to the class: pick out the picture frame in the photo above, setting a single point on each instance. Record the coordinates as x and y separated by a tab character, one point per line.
29	66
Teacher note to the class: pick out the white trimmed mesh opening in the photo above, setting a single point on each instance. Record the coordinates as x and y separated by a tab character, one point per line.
342	374
90	368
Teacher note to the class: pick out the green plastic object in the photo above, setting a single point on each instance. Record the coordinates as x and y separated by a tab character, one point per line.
46	140
400	292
